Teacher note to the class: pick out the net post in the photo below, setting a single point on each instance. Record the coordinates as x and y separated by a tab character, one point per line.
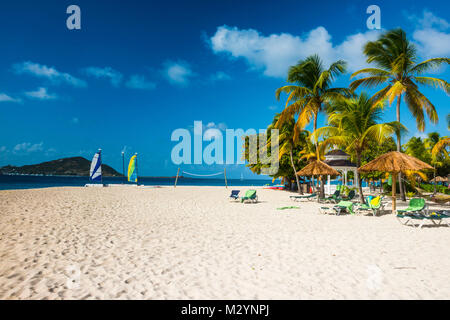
176	179
225	174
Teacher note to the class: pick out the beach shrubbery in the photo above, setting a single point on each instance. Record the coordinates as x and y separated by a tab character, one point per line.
439	188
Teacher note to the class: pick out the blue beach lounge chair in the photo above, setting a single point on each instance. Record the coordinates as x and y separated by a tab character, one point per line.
234	194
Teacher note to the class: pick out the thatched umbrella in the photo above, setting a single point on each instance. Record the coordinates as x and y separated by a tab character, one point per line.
318	168
395	162
439	179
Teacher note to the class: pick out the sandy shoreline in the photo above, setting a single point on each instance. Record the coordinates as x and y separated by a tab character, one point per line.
193	243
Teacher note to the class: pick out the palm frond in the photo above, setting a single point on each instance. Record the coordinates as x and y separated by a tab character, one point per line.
430	64
415	106
323	132
427	105
434	82
379	132
371	71
441	147
368	82
380	96
395	91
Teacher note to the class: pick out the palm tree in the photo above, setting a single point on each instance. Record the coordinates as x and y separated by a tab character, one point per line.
312	150
288	141
439	154
396	69
441	147
353	124
310	92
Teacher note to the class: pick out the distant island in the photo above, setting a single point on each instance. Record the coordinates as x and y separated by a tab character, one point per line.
74	166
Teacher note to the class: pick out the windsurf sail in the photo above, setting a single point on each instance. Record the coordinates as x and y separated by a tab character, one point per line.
95	173
132	169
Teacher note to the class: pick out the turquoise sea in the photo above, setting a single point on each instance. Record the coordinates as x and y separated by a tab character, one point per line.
9	182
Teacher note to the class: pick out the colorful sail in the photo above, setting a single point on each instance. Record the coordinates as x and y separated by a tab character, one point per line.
132	172
95	173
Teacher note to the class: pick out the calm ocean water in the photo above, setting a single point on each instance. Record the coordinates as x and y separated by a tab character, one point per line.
30	182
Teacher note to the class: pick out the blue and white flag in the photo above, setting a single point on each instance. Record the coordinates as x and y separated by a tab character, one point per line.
96	167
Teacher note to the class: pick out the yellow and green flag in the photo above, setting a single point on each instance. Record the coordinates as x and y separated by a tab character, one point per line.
132	174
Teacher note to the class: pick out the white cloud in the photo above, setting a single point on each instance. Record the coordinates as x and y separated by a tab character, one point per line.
41	94
431	37
178	72
27	147
49	73
429	20
351	50
273	108
75	120
140	82
6	98
219	75
432	43
273	54
115	77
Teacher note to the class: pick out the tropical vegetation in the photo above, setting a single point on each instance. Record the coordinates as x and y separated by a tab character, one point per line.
397	70
353	125
354	119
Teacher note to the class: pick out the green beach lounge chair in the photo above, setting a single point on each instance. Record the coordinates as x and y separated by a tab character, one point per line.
327	210
250	196
350	196
343	207
416	205
304	197
373	205
435	217
333	198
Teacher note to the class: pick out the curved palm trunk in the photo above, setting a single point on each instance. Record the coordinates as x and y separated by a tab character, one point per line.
399	147
300	191
315	122
434	177
358	178
313	181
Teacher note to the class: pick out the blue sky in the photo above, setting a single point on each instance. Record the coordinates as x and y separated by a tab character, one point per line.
137	70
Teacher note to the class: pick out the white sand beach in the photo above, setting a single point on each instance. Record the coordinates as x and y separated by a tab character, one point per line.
193	243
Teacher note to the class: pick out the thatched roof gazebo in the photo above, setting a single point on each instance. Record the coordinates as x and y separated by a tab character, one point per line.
395	162
340	161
